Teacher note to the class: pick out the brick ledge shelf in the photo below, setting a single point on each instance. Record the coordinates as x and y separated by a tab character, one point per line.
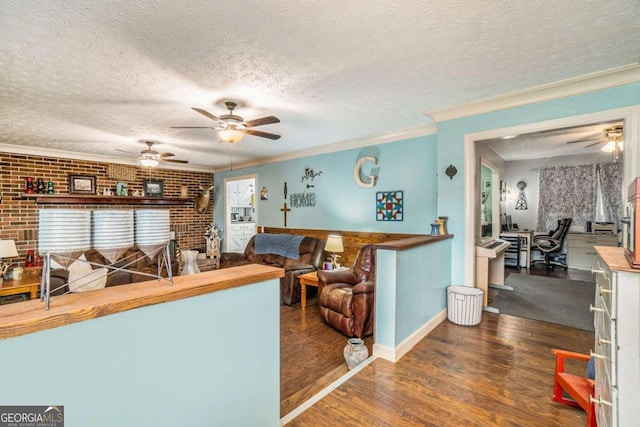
80	199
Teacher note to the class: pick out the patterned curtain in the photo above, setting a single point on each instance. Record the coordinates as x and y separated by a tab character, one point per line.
566	192
610	176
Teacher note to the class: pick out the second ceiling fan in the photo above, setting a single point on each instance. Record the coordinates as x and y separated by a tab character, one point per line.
152	158
231	127
611	135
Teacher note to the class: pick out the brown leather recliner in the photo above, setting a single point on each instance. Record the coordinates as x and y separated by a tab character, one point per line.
347	297
310	259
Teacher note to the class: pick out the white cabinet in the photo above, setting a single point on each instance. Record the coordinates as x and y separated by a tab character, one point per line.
617	342
240	194
580	248
239	236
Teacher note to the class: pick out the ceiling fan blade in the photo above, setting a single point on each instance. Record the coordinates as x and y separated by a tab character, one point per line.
262	134
174	160
595	143
206	114
583	140
193	127
163	155
262	121
128	152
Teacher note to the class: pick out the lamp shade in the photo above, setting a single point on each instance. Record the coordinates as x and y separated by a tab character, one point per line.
8	249
609	147
334	243
149	162
231	134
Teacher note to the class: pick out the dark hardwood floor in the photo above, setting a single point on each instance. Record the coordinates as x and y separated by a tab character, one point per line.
310	354
499	373
557	272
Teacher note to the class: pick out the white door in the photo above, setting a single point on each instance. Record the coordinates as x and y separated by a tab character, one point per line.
235	242
245	193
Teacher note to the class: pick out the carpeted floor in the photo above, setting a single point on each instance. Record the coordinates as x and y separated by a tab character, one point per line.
562	301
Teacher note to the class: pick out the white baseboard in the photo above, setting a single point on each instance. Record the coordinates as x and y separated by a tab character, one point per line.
394	354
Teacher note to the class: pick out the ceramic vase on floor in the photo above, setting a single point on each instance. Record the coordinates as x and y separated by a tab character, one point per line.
355	352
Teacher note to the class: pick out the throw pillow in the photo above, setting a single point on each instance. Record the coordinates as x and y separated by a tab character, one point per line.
83	278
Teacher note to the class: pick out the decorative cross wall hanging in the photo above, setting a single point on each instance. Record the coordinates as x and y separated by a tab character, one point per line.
284	210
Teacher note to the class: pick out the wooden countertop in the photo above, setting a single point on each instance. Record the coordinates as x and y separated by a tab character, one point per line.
30	316
411	242
614	258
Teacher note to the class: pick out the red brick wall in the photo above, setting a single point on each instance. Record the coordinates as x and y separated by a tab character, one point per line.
19	215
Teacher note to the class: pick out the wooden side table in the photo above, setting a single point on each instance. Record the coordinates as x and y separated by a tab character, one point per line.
25	285
310	279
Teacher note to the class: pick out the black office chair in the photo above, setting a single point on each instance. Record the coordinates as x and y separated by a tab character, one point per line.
551	244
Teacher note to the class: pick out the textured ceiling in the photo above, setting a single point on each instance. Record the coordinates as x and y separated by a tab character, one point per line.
588	139
98	75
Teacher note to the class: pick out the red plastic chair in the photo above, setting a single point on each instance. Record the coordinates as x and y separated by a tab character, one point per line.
577	387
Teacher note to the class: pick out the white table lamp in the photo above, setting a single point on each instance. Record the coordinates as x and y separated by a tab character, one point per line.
334	244
7	250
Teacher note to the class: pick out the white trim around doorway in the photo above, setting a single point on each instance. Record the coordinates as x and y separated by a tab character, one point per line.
631	118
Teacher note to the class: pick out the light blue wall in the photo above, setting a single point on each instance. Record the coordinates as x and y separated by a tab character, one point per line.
407	165
410	289
208	360
451	147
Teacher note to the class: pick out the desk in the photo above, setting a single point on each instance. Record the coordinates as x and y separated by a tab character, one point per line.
25	285
581	254
526	238
310	279
490	266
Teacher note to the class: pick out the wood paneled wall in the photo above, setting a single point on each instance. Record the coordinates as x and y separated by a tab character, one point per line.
352	240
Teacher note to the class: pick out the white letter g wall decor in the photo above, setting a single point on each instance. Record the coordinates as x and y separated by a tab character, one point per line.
371	178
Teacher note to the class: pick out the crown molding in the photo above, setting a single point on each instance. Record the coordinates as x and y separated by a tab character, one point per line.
574	86
430	129
48	152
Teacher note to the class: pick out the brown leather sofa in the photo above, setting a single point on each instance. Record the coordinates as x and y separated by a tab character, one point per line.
310	259
347	297
144	264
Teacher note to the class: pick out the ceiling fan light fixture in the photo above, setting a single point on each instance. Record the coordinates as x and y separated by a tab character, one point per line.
231	135
149	160
609	147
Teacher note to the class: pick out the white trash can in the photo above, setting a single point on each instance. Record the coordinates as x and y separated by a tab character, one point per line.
464	305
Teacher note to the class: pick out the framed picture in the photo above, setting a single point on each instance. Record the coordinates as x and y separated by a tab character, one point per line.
82	184
389	206
121	189
153	187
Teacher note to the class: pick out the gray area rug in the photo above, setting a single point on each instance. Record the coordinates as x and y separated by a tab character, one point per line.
562	301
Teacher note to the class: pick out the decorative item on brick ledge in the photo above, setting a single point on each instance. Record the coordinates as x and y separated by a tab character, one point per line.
355	352
190	263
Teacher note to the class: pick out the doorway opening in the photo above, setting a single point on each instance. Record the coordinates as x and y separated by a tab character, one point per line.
628	116
240	211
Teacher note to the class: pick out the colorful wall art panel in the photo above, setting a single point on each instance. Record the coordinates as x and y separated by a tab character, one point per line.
389	206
